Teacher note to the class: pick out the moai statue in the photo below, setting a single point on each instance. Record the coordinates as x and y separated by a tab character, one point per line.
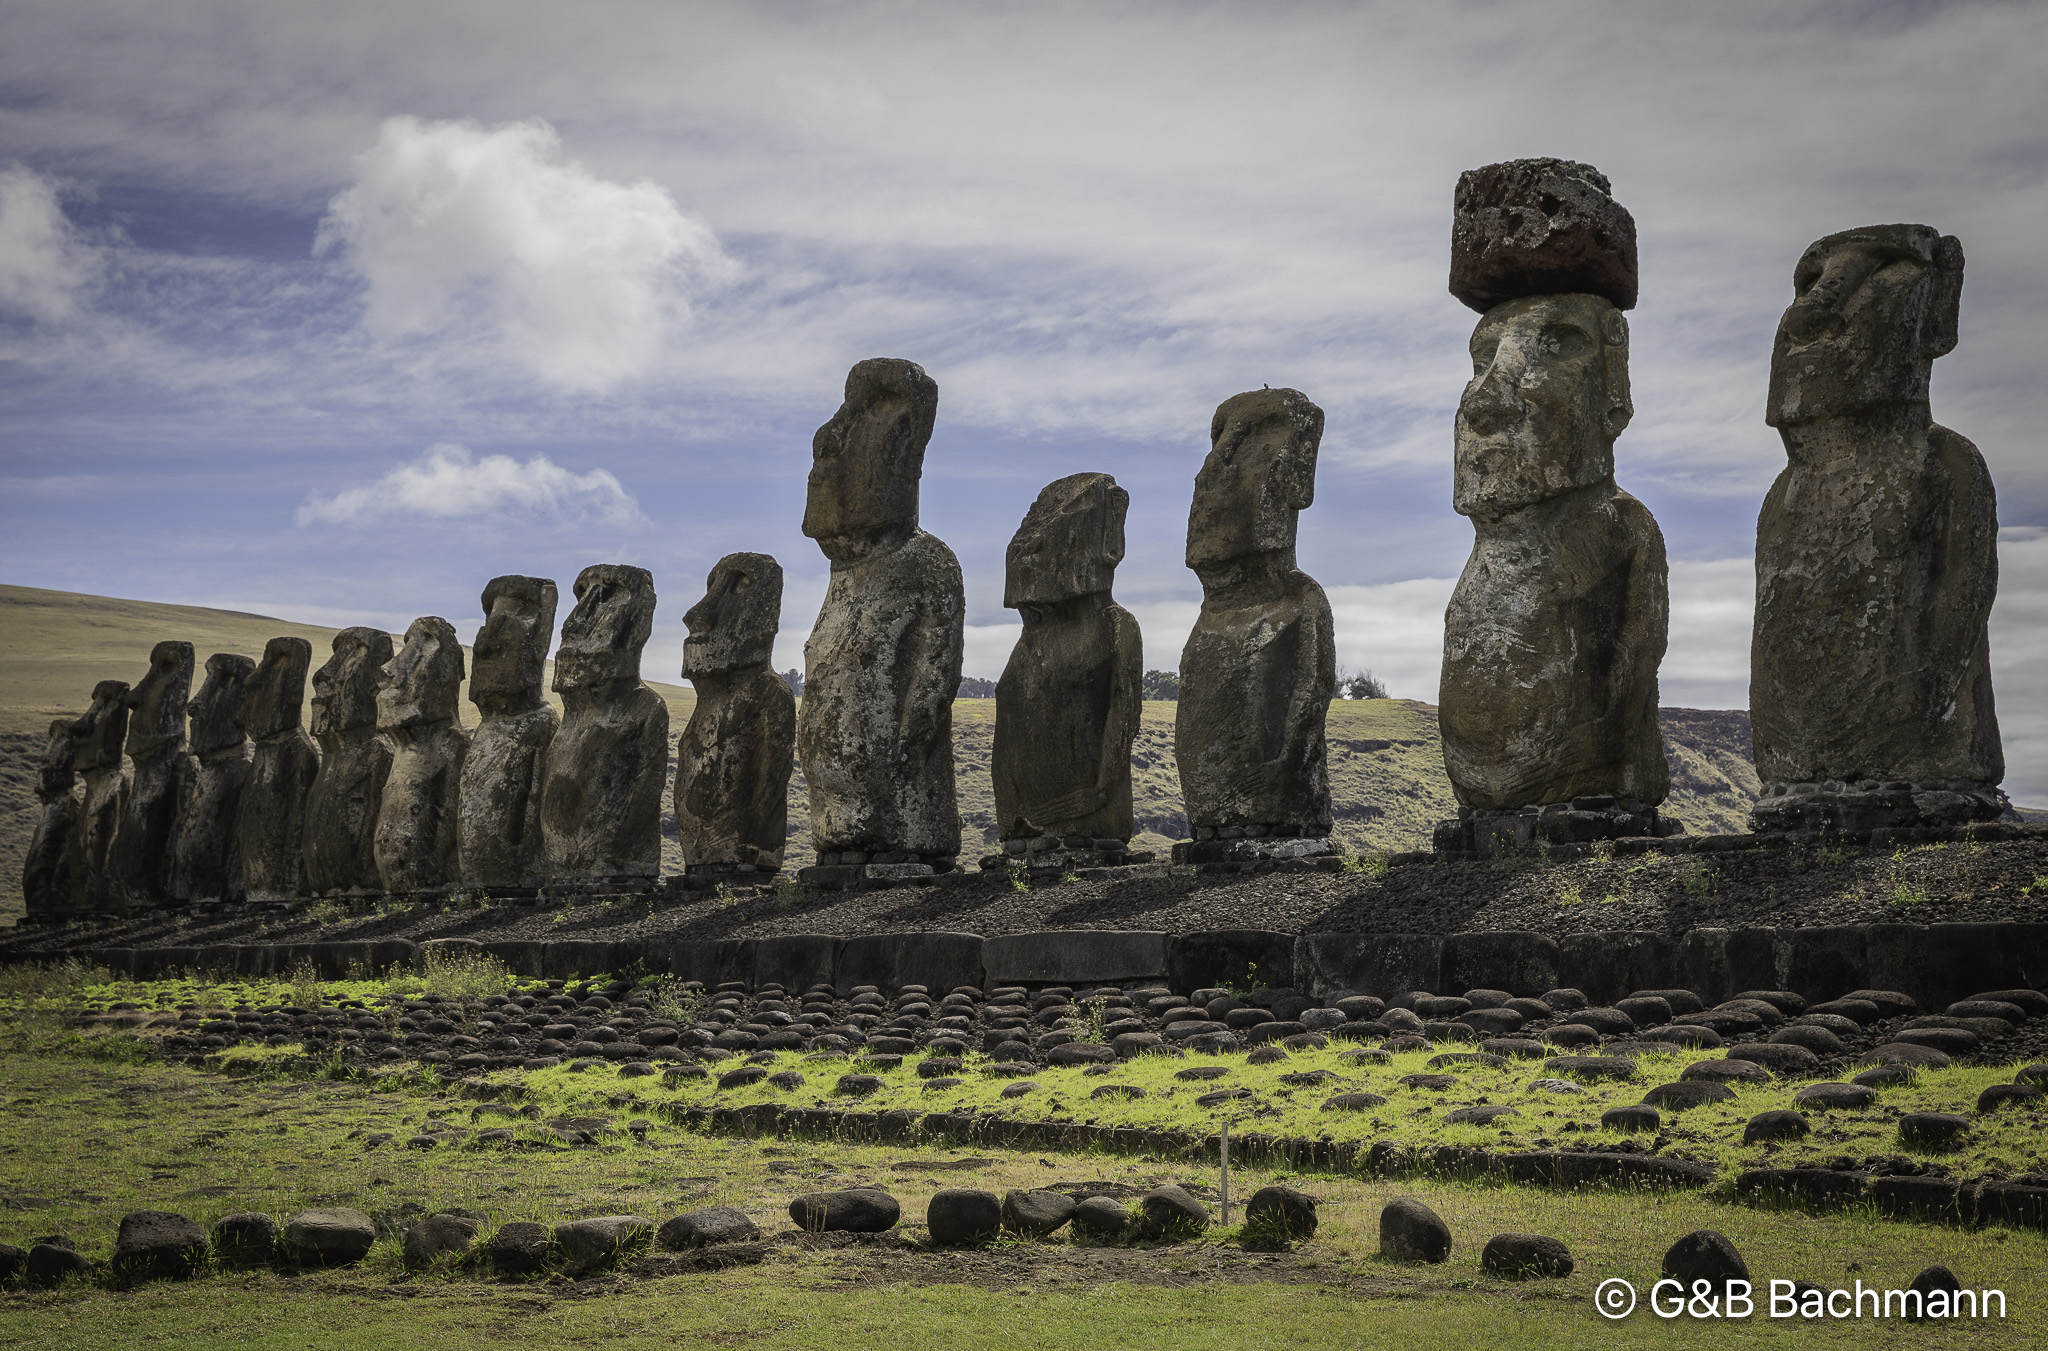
501	777
355	759
1260	665
47	884
415	840
1068	703
1554	634
1876	554
882	667
206	863
160	773
600	811
271	824
734	758
96	753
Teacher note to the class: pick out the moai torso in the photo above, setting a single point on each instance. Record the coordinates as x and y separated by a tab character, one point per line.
1068	703
271	820
734	758
1260	665
160	774
1876	561
416	835
96	752
601	800
47	884
1555	631
882	665
206	862
502	773
355	759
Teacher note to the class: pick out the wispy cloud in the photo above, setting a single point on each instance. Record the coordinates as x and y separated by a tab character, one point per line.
43	263
447	481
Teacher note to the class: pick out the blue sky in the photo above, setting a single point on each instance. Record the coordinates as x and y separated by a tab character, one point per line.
335	312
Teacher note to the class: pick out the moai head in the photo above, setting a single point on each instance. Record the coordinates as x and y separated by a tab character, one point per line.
1549	394
1871	310
345	689
219	712
59	767
603	635
866	462
734	626
1070	542
421	682
97	736
156	706
277	687
1260	472
511	649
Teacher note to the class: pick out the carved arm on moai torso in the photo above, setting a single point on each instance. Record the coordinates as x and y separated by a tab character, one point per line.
601	800
1068	704
1556	629
416	842
500	798
271	821
1877	547
206	862
734	758
347	795
882	666
1259	668
47	885
96	740
160	775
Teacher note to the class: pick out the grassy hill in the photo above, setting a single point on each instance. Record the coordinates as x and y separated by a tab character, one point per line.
1386	766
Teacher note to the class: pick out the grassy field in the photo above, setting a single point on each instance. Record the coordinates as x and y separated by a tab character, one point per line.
1386	765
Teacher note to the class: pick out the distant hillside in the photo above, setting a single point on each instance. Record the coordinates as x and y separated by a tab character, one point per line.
1386	765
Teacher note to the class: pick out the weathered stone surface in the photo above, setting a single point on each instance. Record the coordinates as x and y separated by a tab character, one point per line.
1101	1218
48	885
586	1245
355	759
206	861
715	1224
957	1216
1036	1214
1259	667
1540	227
882	666
860	1210
734	758
601	806
1411	1232
158	1244
521	1247
1556	628
270	822
1285	1210
160	773
1517	1256
439	1236
1068	703
329	1237
498	829
1170	1212
415	839
1705	1255
245	1238
1886	517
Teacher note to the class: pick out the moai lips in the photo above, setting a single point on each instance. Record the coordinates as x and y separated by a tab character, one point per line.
499	830
355	760
415	840
205	848
734	758
160	774
271	819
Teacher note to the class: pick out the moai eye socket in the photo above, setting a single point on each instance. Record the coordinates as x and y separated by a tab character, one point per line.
1567	340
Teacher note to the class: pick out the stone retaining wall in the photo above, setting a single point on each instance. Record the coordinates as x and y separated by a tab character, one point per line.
1935	963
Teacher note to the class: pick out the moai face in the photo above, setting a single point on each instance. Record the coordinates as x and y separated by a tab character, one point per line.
1549	394
277	687
1070	542
511	648
1872	309
734	626
156	706
345	689
866	462
422	681
219	712
96	737
59	767
1260	472
603	635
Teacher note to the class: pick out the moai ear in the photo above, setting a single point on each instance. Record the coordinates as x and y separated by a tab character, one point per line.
1940	327
1614	364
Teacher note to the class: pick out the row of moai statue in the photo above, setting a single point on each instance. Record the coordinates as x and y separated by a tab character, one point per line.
1871	696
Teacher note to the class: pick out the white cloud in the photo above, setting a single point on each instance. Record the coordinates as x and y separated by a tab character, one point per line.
43	263
447	481
2019	661
463	230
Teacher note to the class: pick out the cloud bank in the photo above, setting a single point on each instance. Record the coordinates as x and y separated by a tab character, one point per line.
447	482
